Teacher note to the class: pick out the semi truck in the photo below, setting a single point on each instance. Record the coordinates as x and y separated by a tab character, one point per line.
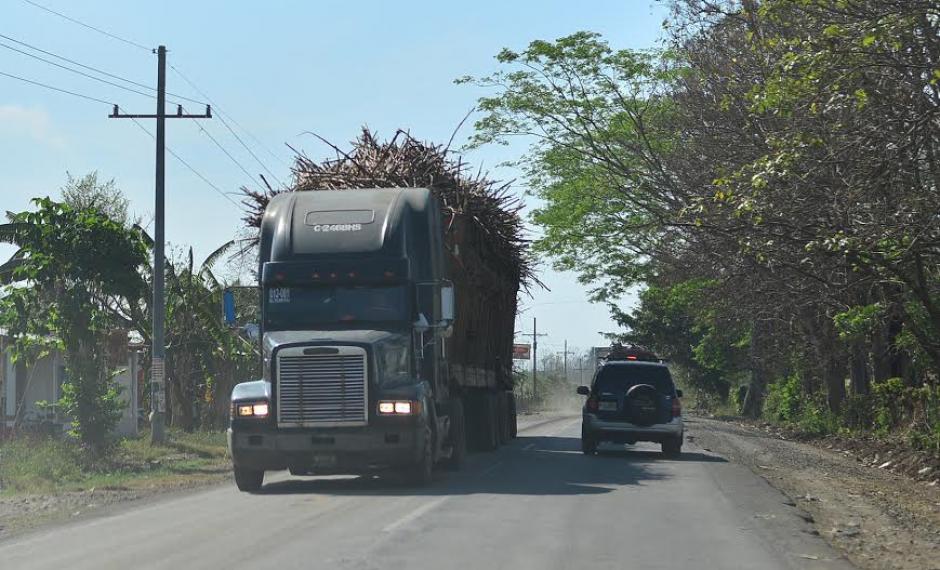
386	339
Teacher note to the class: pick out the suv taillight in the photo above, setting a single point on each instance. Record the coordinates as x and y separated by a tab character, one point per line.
676	407
591	404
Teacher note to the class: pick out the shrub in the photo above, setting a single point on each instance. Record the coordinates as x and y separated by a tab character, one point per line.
783	402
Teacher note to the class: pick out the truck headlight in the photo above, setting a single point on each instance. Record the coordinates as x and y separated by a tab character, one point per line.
245	410
399	407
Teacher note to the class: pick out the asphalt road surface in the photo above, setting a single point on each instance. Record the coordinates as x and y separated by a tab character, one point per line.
537	503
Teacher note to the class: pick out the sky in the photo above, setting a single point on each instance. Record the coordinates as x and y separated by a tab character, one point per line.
279	69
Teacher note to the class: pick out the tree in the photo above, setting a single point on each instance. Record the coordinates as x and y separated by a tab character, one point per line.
88	193
69	262
782	152
205	358
592	115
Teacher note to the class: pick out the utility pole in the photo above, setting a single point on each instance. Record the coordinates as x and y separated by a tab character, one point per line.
535	356
566	353
158	349
566	361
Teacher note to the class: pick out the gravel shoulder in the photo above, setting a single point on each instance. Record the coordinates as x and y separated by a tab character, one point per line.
879	519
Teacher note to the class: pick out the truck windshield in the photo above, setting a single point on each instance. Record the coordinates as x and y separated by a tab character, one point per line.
297	308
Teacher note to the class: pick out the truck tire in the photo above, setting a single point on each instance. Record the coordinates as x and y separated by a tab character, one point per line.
248	480
421	473
502	417
513	428
490	432
480	419
457	437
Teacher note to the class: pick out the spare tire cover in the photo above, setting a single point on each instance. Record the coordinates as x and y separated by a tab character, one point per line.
641	404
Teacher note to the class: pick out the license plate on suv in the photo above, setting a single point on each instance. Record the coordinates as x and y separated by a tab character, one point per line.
607	406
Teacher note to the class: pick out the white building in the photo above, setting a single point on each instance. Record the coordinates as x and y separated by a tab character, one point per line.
23	389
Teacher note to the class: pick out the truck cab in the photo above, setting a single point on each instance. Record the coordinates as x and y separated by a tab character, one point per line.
355	310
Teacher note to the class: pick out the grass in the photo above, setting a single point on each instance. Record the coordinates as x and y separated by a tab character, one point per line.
44	465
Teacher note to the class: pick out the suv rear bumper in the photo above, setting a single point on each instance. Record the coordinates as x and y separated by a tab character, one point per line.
625	432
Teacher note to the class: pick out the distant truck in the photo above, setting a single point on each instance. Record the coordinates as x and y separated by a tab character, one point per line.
381	349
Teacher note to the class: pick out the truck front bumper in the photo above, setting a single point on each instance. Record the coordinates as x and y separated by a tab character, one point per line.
327	450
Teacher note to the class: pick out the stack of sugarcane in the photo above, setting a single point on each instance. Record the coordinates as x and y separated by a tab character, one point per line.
483	230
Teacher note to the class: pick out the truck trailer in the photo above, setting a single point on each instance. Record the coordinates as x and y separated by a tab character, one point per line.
386	336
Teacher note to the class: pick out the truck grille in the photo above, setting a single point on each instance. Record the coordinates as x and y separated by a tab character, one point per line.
322	389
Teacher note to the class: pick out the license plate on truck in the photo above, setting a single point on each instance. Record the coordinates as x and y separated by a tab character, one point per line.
607	406
324	460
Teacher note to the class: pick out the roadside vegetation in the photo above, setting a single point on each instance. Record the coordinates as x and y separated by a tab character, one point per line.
34	464
768	182
80	283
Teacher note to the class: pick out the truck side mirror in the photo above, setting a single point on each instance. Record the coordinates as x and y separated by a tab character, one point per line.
421	324
584	391
678	393
447	302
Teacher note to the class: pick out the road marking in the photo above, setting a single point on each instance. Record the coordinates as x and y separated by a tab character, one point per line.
528	447
413	515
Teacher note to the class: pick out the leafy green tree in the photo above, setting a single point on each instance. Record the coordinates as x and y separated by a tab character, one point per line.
783	152
593	116
680	323
205	358
69	262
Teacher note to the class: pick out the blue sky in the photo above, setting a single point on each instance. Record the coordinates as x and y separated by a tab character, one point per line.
278	68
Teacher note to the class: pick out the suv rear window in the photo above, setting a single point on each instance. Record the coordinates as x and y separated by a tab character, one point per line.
619	379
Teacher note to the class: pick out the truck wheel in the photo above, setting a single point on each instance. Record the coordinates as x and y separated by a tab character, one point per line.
248	480
502	416
421	473
489	434
458	437
513	428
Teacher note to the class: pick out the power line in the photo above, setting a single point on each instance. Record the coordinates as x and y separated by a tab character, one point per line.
90	68
90	27
253	155
82	73
232	119
250	176
190	167
60	90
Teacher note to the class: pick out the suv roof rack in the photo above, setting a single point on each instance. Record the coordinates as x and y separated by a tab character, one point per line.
620	353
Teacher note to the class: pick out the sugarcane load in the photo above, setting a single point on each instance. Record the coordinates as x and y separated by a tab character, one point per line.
389	278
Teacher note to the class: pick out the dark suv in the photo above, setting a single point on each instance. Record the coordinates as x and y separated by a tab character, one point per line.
632	400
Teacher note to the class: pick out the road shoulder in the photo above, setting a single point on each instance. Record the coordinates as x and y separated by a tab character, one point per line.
877	518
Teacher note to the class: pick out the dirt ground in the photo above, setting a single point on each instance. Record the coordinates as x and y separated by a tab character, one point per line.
22	512
879	518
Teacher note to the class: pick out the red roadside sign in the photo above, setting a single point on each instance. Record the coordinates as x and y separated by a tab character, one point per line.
521	351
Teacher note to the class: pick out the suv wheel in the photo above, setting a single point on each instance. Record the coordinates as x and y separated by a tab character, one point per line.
588	443
672	446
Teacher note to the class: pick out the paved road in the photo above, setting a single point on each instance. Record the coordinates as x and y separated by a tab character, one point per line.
535	504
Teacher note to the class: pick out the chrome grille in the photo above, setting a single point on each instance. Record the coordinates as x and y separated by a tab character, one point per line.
322	389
